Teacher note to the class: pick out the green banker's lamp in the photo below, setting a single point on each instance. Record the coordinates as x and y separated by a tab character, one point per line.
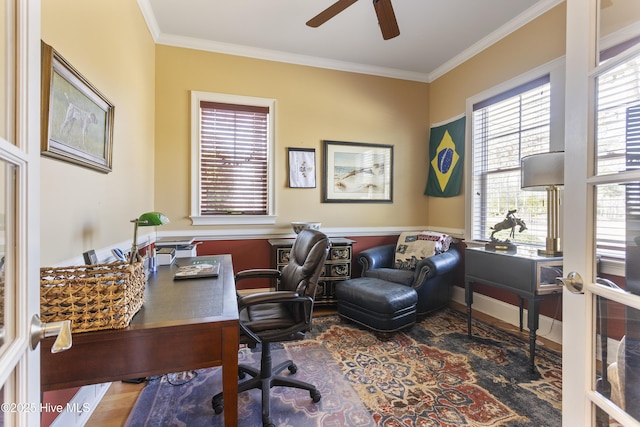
145	220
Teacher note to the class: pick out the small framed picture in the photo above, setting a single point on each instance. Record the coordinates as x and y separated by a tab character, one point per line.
302	167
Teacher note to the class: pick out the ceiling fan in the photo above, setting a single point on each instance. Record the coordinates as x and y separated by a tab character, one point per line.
384	11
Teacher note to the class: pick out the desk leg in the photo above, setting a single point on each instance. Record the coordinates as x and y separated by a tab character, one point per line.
532	324
468	297
230	343
521	310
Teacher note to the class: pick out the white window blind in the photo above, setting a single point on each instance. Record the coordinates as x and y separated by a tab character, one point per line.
233	159
506	128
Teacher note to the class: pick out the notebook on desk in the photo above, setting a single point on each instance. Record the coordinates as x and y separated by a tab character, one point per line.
197	268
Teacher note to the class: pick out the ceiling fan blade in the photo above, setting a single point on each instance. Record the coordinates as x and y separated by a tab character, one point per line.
330	12
386	19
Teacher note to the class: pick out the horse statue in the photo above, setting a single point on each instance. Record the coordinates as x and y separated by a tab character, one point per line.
510	222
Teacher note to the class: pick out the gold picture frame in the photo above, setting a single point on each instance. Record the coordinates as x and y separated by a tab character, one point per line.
77	120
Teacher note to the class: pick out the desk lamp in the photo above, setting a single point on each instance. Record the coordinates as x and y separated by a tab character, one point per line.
144	220
545	171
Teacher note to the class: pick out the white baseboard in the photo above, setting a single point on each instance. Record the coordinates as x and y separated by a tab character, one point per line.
78	411
547	327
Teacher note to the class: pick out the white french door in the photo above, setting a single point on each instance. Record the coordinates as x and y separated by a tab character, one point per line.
601	326
19	210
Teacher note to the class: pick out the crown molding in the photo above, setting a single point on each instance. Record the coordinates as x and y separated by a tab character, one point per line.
318	62
286	57
149	18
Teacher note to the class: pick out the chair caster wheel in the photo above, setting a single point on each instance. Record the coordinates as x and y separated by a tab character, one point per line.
241	375
217	405
268	423
293	368
315	396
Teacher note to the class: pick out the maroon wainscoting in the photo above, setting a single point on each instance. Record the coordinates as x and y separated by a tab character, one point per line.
256	253
246	254
55	398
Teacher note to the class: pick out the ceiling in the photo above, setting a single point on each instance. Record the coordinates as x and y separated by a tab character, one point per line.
435	35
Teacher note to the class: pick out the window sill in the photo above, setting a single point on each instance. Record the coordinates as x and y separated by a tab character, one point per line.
233	220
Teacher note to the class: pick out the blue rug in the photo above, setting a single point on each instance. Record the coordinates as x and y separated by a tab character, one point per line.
166	401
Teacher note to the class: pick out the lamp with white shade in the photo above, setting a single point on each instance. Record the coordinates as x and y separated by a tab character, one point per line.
545	171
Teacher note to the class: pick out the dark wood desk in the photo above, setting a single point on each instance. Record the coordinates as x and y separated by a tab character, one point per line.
525	273
183	325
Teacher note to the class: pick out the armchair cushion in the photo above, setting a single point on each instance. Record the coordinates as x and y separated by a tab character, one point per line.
403	277
414	246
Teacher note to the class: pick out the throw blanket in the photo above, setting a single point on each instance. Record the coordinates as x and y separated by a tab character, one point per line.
413	246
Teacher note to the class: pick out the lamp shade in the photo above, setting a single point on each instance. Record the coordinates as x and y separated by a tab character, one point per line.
540	171
152	218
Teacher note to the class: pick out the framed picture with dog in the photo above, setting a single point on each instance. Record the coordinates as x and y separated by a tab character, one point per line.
77	120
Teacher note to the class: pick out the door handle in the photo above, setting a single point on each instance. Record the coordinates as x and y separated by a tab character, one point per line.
573	282
61	330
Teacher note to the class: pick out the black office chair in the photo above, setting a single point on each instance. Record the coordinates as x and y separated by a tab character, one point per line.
282	315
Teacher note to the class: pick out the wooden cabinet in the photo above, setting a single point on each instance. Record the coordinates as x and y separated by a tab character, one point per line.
337	267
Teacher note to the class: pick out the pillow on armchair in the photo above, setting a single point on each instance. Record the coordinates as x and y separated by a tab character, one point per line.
413	246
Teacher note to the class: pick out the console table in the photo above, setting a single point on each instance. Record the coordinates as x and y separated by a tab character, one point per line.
183	325
524	272
337	266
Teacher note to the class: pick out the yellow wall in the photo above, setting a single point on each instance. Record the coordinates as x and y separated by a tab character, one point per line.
533	45
312	105
108	42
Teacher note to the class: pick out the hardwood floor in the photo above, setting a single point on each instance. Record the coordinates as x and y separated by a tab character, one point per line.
116	405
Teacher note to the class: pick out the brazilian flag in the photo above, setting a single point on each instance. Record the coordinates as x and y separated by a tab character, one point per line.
446	157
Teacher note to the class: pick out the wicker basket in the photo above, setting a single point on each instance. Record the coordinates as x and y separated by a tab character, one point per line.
93	297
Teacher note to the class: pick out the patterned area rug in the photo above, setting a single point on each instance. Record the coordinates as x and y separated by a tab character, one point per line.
429	375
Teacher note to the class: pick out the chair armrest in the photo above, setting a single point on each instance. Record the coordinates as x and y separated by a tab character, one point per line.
435	265
377	257
258	273
267	297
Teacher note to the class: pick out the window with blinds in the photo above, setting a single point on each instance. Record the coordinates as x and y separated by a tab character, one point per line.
233	163
507	127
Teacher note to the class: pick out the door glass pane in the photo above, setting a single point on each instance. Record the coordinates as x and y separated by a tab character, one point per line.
617	353
617	33
618	117
617	375
4	414
7	294
6	69
610	222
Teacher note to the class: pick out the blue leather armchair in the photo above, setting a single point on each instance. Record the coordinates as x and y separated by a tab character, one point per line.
433	278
